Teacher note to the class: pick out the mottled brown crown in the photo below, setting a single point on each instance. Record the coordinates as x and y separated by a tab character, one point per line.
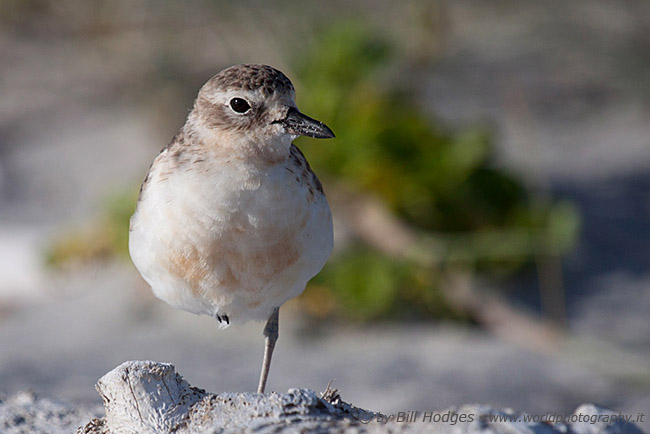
252	77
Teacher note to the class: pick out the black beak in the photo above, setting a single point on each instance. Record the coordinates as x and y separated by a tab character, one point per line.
302	125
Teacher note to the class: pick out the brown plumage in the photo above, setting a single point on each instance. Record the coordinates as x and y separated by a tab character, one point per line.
231	220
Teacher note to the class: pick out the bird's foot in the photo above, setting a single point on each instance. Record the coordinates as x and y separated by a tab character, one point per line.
223	319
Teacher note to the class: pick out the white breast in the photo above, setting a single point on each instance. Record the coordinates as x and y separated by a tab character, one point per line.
235	241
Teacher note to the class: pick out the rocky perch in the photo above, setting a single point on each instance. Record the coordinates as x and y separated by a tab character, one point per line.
150	397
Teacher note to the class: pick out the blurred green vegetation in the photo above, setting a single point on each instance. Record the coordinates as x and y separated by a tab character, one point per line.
440	183
361	284
104	239
386	143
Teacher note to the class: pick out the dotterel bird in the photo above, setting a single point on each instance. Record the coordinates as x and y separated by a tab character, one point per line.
231	221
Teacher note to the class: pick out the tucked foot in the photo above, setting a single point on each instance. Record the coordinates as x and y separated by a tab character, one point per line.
223	319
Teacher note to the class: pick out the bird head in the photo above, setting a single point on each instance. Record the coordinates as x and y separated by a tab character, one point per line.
251	110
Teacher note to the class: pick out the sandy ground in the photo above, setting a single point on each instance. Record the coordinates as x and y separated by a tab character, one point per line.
389	368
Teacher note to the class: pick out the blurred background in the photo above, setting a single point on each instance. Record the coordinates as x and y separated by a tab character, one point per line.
489	181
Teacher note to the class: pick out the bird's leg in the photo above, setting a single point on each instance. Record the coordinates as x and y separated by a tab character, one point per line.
270	337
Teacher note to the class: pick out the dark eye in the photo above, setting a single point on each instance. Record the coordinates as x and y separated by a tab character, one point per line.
239	105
